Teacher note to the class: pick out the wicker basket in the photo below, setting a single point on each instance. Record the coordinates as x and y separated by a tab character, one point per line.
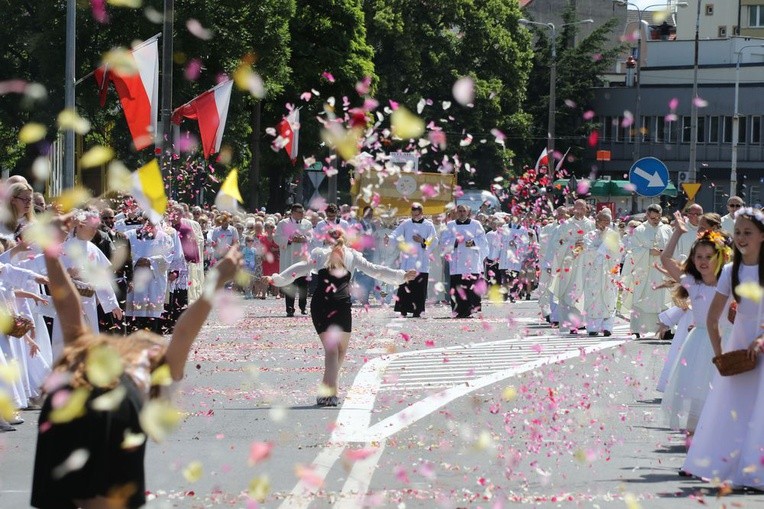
83	288
21	325
734	363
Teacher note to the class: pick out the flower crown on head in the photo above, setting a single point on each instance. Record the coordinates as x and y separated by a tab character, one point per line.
757	214
721	244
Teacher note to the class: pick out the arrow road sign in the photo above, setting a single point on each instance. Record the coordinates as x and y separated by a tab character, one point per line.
649	176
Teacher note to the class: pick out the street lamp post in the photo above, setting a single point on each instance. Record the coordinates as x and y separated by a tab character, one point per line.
552	77
736	120
638	102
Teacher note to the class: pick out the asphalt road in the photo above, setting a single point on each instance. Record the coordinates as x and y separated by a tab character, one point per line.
489	412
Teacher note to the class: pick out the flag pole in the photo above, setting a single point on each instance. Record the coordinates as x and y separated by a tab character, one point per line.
164	145
69	100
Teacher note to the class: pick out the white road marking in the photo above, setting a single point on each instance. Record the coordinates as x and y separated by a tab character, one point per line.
353	421
358	481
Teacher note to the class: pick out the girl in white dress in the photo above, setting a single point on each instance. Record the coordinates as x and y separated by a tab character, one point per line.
730	433
691	375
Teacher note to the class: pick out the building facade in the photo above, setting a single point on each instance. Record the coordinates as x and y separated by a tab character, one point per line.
665	105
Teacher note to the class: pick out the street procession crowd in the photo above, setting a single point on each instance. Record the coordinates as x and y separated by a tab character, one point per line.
73	290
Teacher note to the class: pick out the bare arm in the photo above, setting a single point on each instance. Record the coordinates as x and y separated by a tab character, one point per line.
712	321
66	300
193	318
672	267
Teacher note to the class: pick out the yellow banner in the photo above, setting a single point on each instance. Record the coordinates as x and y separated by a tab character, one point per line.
691	189
397	192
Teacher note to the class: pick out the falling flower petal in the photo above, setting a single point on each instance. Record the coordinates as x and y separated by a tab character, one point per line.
750	290
103	365
197	30
259	452
406	125
464	90
193	471
96	156
158	418
32	133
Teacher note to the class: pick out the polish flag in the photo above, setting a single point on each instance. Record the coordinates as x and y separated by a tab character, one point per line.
289	129
211	111
543	159
138	92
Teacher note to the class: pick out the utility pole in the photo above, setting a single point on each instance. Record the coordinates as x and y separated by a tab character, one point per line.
254	165
692	170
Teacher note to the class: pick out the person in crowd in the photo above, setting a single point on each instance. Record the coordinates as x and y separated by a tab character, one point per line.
730	432
363	231
646	296
416	239
465	245
152	252
513	248
710	221
568	282
734	203
110	474
19	211
38	203
493	237
223	236
694	212
332	221
330	307
602	254
688	383
528	275
251	253
548	241
436	280
270	254
293	235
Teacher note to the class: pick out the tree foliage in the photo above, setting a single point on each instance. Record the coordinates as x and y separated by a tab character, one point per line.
581	64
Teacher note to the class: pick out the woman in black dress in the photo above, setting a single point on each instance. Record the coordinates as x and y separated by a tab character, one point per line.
333	266
91	441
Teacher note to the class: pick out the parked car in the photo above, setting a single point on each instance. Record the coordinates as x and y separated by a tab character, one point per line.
477	198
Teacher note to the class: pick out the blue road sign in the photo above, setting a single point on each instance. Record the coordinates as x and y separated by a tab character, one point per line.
649	176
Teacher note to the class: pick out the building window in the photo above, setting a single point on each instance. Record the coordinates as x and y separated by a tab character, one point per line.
735	30
722	32
727	132
742	129
713	130
701	137
756	16
605	129
669	135
647	125
686	129
742	125
755	130
659	129
709	9
625	131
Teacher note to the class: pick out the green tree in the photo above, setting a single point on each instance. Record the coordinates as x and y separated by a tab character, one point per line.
328	36
422	48
580	67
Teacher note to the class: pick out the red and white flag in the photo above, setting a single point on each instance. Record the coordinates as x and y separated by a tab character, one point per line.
289	130
543	159
138	92
210	109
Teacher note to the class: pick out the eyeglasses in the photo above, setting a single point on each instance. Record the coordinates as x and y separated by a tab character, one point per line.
734	205
107	218
416	209
23	200
693	213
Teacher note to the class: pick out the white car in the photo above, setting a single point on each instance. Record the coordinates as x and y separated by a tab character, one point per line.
475	198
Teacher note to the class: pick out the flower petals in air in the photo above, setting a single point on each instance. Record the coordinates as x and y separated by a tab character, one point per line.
32	133
464	90
103	365
197	30
406	125
96	156
259	452
750	290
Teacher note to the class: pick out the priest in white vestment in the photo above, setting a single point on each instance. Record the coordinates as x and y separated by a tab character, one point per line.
645	296
602	257
465	244
568	280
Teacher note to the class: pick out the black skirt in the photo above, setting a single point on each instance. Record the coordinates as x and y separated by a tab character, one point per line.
109	471
330	305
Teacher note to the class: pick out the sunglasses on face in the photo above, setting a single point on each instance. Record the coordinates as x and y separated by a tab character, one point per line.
734	205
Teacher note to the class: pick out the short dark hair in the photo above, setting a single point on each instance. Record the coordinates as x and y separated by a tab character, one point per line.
297	207
331	209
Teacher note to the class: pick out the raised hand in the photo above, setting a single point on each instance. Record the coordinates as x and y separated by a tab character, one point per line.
679	222
410	275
